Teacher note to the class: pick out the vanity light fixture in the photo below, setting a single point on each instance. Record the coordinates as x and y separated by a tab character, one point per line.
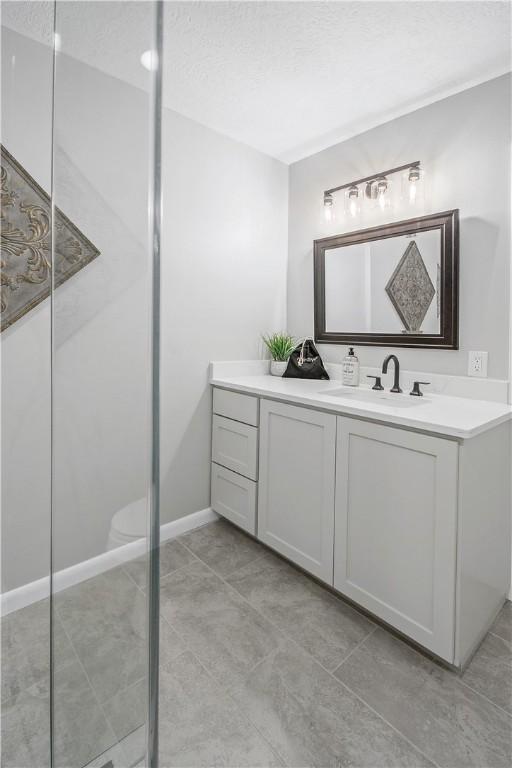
375	188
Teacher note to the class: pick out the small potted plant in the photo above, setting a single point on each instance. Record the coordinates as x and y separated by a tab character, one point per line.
280	346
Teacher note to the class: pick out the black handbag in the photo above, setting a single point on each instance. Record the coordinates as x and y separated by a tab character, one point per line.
305	363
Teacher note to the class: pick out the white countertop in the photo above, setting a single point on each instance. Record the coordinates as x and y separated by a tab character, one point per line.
457	417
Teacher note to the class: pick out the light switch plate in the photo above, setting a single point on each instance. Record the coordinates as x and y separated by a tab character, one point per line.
477	364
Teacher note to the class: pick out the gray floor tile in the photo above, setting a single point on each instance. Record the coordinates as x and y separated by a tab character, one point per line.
115	755
134	747
25	664
222	546
25	647
25	726
105	619
129	752
117	655
127	710
173	555
503	624
106	596
27	626
312	720
81	729
454	726
490	671
324	626
228	636
201	726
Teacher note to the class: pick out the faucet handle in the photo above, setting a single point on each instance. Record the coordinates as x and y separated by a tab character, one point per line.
378	382
416	391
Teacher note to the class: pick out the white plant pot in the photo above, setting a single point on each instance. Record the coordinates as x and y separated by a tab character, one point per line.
278	367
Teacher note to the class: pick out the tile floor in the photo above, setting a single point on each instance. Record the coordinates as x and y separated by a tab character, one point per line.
260	666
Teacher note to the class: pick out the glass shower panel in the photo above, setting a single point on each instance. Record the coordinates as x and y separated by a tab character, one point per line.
102	330
26	130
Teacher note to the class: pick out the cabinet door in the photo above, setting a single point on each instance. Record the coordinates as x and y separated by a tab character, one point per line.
396	515
296	485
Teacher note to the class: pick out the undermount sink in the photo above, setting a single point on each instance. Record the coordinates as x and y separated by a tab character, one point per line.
379	398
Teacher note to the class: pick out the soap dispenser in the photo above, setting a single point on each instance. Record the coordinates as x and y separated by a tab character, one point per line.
350	369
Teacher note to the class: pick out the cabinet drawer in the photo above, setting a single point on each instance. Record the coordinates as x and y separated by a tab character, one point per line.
233	405
234	497
235	446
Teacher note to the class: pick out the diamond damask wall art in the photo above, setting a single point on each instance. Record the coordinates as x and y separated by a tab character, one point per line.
410	289
25	260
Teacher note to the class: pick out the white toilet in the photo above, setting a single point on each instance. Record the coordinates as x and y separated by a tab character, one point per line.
128	524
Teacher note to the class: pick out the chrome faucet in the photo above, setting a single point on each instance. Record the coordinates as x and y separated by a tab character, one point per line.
396	382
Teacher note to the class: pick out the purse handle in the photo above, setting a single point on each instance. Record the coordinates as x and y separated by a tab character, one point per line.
300	361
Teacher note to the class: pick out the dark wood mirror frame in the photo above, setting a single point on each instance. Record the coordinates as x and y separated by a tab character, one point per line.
448	338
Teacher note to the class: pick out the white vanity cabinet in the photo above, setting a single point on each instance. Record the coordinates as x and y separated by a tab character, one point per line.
296	485
396	523
411	525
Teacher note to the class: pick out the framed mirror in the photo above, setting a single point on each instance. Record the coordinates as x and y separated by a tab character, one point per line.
395	285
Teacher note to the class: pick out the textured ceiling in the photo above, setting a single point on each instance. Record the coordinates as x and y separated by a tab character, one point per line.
289	78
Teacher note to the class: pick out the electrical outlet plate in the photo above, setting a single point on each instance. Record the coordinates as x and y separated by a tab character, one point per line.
477	364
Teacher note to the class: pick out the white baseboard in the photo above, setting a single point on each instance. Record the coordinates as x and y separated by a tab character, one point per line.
187	523
68	577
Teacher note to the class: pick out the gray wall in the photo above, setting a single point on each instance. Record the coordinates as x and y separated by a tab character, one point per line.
224	261
223	283
102	327
464	144
25	346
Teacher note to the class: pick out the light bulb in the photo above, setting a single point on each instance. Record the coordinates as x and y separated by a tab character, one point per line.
353	194
328	206
382	186
414	177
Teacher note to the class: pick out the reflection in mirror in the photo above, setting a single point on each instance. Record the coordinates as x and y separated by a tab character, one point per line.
385	286
392	285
